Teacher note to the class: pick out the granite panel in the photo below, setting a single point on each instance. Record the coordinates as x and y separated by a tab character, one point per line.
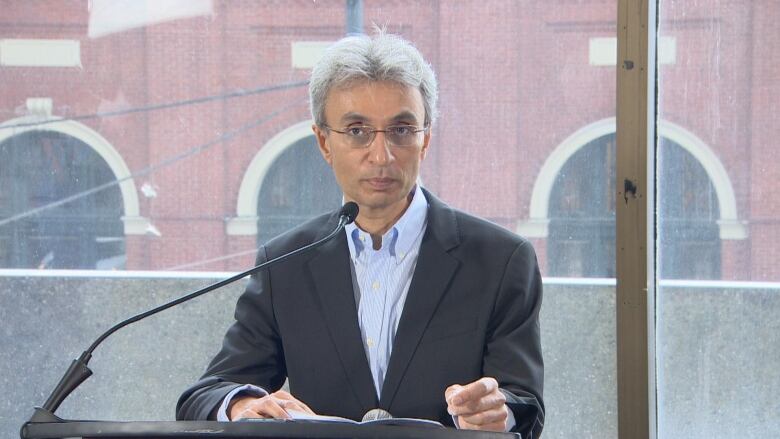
719	350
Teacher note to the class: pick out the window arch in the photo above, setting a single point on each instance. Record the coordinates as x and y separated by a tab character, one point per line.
298	186
134	223
730	227
286	183
688	212
40	167
581	239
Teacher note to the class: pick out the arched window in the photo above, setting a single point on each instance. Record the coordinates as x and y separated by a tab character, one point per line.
298	186
581	240
688	213
38	168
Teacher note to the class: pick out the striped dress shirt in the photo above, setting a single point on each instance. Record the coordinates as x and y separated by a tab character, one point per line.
381	279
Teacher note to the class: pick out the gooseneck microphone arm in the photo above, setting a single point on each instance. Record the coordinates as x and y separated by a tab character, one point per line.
78	370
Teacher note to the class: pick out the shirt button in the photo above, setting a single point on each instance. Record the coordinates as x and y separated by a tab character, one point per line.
370	342
375	285
401	255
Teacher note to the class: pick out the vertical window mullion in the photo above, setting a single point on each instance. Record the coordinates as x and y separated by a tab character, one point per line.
635	242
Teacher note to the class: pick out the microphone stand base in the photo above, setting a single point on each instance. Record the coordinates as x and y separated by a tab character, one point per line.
42	415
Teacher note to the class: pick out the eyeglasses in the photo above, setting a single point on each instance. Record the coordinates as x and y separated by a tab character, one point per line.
361	136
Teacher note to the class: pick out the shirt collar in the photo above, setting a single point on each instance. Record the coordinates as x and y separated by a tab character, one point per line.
401	237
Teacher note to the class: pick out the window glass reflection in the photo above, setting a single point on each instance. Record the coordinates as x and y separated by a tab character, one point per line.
39	170
299	186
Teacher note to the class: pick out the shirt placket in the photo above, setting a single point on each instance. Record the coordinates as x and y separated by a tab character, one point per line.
372	310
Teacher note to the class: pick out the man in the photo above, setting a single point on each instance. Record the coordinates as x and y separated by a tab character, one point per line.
419	309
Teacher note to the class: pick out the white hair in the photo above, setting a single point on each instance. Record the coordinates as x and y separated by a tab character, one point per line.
383	57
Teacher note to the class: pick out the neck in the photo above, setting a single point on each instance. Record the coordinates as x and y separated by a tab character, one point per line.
377	223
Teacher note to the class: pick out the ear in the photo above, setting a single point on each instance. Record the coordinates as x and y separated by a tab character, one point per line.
322	143
426	143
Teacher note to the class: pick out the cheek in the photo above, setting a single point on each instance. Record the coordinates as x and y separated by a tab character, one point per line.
342	169
412	164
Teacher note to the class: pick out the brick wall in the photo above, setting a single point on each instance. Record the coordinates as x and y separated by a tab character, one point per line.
515	81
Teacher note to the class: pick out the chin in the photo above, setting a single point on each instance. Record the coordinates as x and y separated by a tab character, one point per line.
380	200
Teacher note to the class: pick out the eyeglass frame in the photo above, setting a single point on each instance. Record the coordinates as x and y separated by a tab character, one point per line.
373	131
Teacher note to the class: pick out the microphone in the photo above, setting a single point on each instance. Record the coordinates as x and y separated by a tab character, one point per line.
349	211
376	414
78	370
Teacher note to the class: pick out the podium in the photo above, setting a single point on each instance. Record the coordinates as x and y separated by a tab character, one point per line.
253	430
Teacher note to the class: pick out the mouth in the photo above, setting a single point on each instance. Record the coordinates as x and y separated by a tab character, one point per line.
380	183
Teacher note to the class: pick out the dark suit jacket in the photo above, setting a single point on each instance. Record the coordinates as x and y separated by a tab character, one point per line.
471	311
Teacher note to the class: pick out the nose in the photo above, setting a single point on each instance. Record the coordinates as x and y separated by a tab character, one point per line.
379	150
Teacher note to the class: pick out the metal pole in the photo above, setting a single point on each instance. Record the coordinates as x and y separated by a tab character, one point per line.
635	302
354	17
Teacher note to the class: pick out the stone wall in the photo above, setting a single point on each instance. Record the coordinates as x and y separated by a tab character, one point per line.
719	350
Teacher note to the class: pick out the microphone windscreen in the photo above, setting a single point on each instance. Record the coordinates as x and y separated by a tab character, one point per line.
349	210
374	414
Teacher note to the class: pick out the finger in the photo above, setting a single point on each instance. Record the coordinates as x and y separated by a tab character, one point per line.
498	426
488	402
238	405
473	391
264	407
307	408
451	391
269	407
453	394
281	394
488	417
296	406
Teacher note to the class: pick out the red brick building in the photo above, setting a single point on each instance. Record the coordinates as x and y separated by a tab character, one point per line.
525	136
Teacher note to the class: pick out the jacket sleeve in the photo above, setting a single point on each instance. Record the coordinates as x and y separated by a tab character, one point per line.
513	353
251	353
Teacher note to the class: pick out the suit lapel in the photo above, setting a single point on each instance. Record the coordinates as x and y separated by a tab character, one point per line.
434	270
330	270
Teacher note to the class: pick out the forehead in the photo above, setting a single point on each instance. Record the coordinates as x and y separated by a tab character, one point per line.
374	102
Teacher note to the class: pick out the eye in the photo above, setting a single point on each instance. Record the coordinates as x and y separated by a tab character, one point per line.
401	130
357	131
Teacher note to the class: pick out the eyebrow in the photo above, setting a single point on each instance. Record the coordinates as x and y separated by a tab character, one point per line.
352	117
404	116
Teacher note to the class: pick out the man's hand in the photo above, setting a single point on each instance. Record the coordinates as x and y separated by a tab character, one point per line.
478	405
274	405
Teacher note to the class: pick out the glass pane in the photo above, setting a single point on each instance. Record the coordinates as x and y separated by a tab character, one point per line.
299	186
42	169
147	148
582	216
718	339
